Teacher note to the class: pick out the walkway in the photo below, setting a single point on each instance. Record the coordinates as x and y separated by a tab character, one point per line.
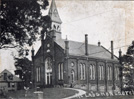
80	93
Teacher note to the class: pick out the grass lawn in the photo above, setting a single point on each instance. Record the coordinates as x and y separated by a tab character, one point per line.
48	93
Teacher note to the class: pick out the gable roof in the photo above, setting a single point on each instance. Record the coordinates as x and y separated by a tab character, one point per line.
78	49
9	74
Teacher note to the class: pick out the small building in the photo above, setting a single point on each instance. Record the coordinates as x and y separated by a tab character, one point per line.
8	81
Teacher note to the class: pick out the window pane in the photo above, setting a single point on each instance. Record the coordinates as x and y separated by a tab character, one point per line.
84	71
94	72
59	71
91	72
102	72
81	72
62	71
37	74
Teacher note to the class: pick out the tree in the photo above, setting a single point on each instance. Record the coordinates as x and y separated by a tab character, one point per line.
128	68
20	22
24	69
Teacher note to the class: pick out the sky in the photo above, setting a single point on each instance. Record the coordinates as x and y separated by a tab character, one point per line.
102	20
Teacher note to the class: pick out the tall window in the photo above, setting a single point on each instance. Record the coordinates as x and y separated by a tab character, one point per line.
48	71
48	64
92	72
37	79
72	74
60	71
82	71
101	72
109	73
38	74
116	73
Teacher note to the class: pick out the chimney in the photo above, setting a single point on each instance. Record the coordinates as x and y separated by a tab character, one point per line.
66	47
112	50
99	43
86	44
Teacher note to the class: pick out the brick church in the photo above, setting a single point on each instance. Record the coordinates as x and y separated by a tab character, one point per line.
63	62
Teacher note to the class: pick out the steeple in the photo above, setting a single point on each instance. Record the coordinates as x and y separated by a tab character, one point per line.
53	13
56	21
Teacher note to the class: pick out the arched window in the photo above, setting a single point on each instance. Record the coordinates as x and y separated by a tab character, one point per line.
37	79
82	71
54	27
102	69
109	73
81	77
116	73
48	71
72	75
58	27
101	72
60	71
38	74
48	64
92	72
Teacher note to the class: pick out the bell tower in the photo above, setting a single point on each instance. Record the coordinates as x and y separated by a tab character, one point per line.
56	21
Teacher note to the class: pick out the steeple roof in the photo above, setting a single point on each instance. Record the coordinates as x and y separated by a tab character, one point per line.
53	13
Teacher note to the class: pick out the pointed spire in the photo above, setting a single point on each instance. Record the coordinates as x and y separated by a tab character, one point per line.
53	12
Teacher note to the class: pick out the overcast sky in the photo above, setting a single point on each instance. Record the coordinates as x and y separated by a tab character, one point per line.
102	20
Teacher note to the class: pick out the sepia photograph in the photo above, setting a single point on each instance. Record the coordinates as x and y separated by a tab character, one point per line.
66	49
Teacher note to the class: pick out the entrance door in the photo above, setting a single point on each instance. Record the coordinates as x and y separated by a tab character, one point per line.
49	79
48	71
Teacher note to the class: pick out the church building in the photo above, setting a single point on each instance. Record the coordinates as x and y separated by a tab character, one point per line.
63	62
